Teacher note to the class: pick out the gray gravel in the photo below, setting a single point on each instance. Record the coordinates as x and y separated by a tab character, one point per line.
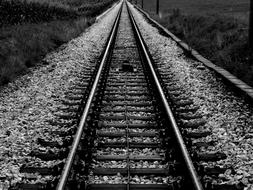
228	117
28	103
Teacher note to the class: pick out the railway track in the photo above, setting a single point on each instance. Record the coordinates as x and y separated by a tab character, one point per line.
128	137
127	127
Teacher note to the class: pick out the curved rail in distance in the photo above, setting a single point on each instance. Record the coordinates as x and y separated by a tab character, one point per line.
190	167
72	153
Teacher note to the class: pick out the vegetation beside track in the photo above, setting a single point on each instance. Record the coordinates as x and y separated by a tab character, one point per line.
222	41
229	8
31	29
219	33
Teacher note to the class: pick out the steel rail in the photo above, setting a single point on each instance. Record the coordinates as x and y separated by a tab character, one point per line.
72	153
189	164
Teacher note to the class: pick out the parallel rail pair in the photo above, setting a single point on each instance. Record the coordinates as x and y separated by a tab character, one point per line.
152	75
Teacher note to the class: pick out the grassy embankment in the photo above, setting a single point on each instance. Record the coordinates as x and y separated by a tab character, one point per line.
217	29
30	29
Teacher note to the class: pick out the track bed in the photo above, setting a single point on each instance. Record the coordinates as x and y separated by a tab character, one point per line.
133	131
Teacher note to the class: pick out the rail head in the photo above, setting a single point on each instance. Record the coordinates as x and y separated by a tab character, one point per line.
187	159
71	156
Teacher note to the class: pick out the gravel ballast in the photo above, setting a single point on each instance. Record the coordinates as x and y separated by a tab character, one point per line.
228	116
27	104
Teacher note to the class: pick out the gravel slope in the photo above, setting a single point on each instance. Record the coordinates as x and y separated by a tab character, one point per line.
28	103
228	117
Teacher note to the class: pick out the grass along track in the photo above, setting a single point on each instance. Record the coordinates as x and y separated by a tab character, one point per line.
32	36
19	12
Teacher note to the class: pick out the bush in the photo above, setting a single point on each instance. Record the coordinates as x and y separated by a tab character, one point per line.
22	46
31	29
223	40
